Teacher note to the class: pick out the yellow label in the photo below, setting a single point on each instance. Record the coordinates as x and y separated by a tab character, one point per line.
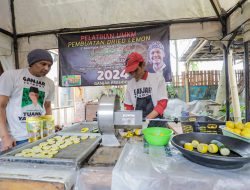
48	125
192	119
34	128
212	126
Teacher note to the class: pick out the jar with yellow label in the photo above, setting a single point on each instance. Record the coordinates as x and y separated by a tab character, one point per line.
48	125
34	128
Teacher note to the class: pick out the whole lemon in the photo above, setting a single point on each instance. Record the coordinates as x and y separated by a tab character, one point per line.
229	129
239	125
213	148
247	130
202	148
188	146
195	143
247	125
237	131
245	134
230	124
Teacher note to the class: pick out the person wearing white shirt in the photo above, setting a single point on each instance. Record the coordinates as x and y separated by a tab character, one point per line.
24	93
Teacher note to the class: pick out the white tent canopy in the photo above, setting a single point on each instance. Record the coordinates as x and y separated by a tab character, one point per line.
33	15
35	20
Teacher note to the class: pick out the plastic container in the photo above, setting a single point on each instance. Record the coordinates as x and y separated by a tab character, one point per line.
202	124
34	126
234	135
48	125
157	135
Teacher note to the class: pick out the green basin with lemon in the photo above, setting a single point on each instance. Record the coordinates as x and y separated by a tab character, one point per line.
158	136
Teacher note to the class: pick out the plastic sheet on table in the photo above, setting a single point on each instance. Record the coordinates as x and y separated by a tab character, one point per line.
94	178
138	170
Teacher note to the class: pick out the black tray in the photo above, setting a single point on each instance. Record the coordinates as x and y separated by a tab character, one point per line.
240	150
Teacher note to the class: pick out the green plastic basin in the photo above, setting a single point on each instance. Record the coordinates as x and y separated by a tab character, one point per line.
157	135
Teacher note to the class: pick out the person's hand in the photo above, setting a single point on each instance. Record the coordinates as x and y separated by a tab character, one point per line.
7	142
58	128
152	115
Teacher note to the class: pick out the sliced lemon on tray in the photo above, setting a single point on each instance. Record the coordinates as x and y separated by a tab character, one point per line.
84	129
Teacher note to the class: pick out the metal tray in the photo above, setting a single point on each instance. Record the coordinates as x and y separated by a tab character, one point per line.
76	128
74	154
239	156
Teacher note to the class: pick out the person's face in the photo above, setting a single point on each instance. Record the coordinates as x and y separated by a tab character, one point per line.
156	56
138	73
34	97
41	68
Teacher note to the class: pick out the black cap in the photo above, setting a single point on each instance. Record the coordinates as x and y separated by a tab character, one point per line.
39	55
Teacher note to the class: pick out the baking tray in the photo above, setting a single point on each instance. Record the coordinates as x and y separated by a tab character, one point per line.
72	155
239	156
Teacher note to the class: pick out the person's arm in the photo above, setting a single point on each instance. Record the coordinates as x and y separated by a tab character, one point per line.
7	140
128	100
128	107
48	109
158	109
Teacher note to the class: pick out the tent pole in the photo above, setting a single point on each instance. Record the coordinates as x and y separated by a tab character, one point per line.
13	20
246	77
222	19
6	32
238	5
225	52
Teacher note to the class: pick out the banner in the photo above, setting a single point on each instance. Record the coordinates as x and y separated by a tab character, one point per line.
98	58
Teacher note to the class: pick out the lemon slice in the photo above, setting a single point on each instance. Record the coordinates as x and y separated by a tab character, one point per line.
68	142
48	156
63	146
27	155
73	137
19	154
38	155
57	137
43	144
60	142
84	129
53	152
188	146
84	137
27	151
76	141
64	137
36	149
54	147
138	132
46	147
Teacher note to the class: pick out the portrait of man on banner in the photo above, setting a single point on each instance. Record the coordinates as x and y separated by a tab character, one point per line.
157	60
